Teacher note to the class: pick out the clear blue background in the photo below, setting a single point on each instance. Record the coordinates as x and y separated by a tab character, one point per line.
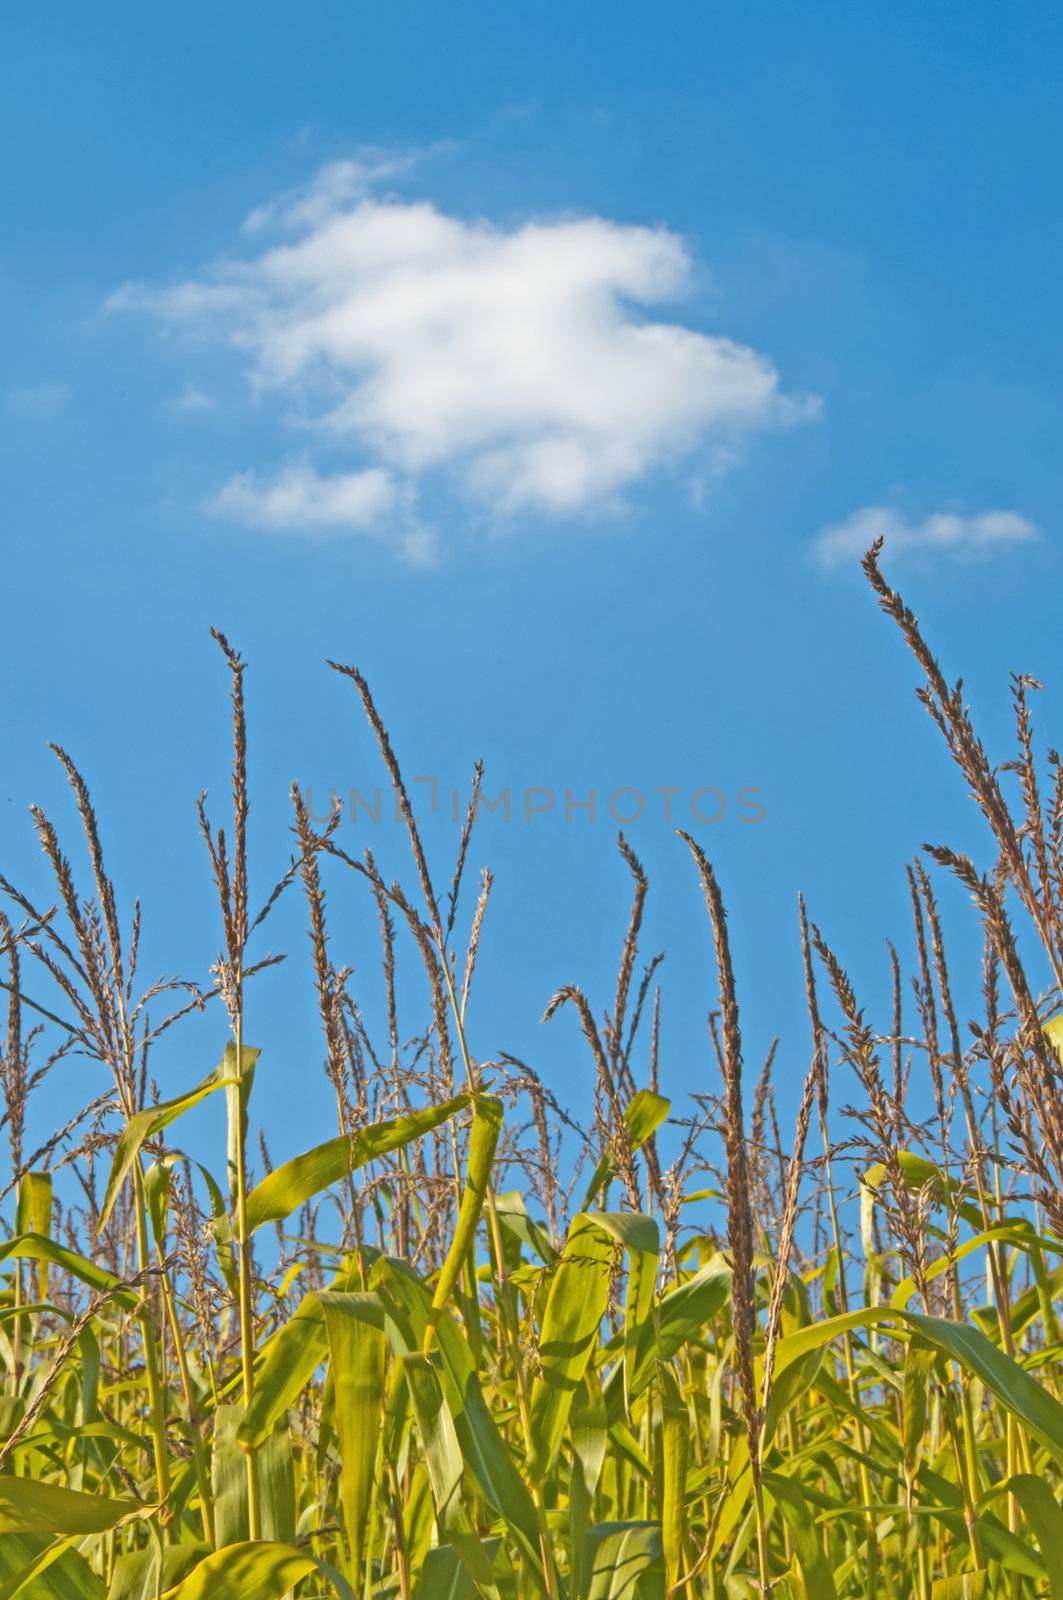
873	191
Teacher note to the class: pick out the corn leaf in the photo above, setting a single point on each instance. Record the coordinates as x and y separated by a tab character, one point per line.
286	1188
30	1506
355	1324
152	1120
246	1571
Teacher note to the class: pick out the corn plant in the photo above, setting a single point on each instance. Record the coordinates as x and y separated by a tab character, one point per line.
469	1347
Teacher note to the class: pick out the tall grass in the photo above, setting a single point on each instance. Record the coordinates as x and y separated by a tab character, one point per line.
465	1347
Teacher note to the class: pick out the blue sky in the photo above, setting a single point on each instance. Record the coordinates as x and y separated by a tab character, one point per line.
699	286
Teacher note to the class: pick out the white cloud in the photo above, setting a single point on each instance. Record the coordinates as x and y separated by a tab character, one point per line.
193	399
301	500
335	185
518	365
945	532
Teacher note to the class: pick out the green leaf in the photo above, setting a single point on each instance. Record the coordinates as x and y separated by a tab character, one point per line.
641	1238
681	1317
623	1561
288	1360
228	1471
36	1567
646	1110
247	1571
1013	1386
573	1315
147	1123
961	1586
570	1330
919	1360
34	1247
28	1506
796	1381
513	1215
442	1455
357	1349
817	1579
588	1429
34	1215
486	1127
1045	1518
142	1573
486	1455
157	1196
444	1575
675	1457
276	1486
224	1248
286	1188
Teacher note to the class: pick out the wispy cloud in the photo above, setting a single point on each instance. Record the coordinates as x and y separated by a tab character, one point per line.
516	366
335	185
947	533
301	500
192	399
44	397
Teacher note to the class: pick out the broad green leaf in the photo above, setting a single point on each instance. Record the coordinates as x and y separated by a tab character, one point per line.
486	1456
246	1571
34	1215
641	1238
960	1586
588	1426
681	1316
288	1360
787	1390
224	1248
289	1185
1013	1386
675	1458
33	1579
228	1472
817	1579
36	1567
444	1575
1045	1519
141	1574
942	1498
919	1360
30	1506
622	1561
357	1348
276	1486
442	1455
570	1330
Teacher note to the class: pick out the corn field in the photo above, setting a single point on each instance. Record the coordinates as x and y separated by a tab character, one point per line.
466	1347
